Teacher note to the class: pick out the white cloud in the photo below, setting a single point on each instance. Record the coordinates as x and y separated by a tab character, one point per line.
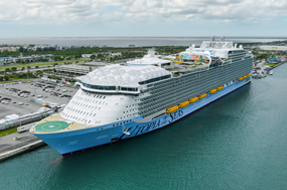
95	11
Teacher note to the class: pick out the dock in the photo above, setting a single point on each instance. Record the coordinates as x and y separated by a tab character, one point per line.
15	144
260	73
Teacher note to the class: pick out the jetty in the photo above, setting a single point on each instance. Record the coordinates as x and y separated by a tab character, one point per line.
17	143
261	71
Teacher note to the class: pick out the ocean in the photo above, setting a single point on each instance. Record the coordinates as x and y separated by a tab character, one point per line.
126	41
237	142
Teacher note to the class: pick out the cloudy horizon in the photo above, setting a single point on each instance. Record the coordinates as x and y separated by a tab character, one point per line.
143	18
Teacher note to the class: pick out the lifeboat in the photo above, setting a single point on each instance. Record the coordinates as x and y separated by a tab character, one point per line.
202	96
212	91
183	104
245	76
240	79
192	100
171	109
248	75
219	88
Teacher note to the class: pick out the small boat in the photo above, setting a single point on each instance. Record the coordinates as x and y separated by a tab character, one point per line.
202	96
183	104
270	72
212	91
192	100
172	109
219	88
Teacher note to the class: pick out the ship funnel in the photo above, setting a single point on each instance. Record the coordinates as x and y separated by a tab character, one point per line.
222	38
212	38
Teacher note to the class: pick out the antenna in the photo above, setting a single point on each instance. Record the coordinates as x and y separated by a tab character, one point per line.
212	38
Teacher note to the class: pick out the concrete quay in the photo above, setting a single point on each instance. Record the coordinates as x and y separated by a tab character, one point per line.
14	144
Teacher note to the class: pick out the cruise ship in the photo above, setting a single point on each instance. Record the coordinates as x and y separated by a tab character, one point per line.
121	101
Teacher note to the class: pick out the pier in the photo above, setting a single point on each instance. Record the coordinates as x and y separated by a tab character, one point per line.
261	73
15	144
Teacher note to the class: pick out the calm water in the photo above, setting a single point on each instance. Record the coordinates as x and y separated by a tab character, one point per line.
126	41
237	142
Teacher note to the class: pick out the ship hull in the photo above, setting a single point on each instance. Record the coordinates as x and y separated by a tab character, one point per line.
73	141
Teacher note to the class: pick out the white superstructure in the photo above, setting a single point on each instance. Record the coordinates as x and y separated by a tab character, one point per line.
122	101
150	59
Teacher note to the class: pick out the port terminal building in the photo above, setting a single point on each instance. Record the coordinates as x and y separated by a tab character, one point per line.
273	48
82	68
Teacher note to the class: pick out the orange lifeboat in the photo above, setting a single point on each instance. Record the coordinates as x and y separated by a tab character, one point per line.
171	109
192	100
212	91
183	104
219	88
202	96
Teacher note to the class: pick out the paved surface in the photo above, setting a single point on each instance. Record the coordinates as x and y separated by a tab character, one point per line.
7	143
15	108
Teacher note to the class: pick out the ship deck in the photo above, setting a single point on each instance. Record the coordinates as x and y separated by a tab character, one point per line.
56	123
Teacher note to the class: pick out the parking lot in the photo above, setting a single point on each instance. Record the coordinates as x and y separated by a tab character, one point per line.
18	99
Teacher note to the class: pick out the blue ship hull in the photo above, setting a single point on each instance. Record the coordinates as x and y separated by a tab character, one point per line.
69	142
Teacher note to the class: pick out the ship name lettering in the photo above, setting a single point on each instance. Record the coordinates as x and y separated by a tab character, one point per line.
175	115
145	128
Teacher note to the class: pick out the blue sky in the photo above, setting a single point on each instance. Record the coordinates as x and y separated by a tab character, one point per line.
143	18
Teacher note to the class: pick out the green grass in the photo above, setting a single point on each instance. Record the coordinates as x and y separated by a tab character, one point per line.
40	64
5	82
12	80
271	64
8	132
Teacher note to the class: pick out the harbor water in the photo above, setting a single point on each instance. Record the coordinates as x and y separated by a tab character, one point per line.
126	41
237	142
